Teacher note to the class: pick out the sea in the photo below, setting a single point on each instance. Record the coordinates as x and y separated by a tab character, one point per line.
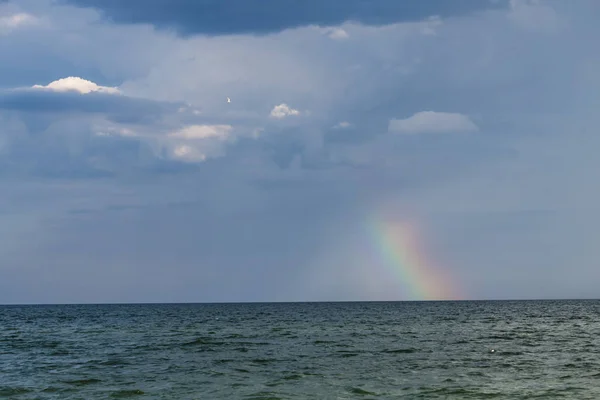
347	350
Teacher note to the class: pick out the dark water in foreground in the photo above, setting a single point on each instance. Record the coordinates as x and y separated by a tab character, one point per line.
434	350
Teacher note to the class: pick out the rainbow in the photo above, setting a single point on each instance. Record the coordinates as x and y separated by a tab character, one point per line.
398	246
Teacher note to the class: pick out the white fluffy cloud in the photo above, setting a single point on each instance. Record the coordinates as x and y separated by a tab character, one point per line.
342	125
432	122
76	84
188	153
282	111
336	33
203	132
106	128
197	143
9	23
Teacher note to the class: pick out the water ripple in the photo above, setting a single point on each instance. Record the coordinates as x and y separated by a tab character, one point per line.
427	350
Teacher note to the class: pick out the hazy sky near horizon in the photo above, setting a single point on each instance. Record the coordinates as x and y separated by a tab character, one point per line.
126	176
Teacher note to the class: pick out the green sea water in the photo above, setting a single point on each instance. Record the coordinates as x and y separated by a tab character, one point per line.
392	350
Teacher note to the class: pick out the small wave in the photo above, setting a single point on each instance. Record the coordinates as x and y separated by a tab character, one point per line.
82	382
13	391
475	373
263	396
223	361
360	391
530	344
127	393
52	389
264	361
292	377
510	353
60	352
461	392
245	343
499	337
343	345
114	362
204	341
401	351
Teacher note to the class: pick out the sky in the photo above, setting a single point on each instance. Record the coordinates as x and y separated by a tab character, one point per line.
371	150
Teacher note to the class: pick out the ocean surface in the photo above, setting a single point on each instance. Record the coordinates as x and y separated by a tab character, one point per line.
420	350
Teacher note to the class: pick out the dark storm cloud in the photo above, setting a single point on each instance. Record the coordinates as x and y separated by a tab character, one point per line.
119	108
218	17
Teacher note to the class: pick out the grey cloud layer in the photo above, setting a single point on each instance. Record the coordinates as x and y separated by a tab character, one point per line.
211	17
118	107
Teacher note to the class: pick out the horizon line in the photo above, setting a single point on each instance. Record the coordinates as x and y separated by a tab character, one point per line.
295	302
